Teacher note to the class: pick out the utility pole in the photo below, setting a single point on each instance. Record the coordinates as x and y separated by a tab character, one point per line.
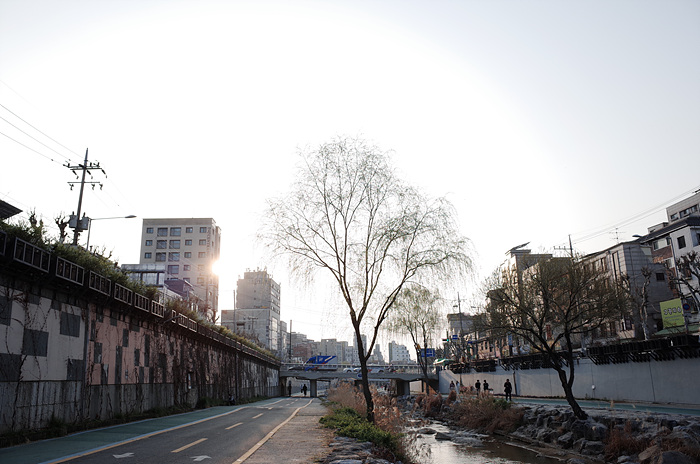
75	221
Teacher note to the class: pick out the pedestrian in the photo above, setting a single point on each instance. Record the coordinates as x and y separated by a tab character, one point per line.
452	385
486	387
289	388
507	389
457	386
303	389
477	385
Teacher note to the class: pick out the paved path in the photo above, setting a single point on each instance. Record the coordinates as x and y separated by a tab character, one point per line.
301	440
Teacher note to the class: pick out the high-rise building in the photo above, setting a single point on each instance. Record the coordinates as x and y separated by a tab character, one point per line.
257	312
188	248
398	354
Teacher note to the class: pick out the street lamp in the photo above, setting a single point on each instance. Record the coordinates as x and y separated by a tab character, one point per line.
87	245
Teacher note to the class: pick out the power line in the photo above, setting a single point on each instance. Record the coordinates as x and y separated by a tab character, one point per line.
30	148
646	213
39	131
34	138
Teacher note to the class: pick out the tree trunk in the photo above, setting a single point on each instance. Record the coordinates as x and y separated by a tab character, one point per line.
569	395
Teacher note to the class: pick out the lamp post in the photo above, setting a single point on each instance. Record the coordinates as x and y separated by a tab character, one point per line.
87	245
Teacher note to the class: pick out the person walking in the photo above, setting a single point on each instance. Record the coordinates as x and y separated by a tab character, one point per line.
507	389
486	387
289	388
452	385
303	389
477	385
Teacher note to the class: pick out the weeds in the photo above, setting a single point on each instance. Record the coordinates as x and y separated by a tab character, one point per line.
488	414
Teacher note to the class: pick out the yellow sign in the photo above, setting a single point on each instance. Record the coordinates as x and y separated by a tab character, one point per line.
672	313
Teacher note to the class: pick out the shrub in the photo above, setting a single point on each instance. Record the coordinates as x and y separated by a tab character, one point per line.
348	423
623	442
488	414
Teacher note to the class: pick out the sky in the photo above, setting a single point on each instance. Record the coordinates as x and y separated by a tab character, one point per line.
539	120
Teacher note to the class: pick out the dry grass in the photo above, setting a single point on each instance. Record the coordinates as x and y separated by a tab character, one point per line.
623	442
488	414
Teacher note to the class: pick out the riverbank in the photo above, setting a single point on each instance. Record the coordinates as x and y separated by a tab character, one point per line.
606	436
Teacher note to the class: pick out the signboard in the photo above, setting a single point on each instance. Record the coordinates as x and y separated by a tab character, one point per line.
455	337
427	353
672	313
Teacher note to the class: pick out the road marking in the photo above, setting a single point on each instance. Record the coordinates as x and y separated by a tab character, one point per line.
234	425
200	458
187	446
250	452
255	417
131	440
125	455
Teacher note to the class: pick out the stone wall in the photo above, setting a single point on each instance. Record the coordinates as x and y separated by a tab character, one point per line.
72	353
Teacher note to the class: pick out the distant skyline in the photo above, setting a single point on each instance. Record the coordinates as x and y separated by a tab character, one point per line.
537	119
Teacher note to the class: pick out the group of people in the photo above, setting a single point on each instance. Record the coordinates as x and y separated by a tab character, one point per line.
507	388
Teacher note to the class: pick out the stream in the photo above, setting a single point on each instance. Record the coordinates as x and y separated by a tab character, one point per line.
432	451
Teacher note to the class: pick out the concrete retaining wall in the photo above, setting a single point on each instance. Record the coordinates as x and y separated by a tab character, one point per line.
653	381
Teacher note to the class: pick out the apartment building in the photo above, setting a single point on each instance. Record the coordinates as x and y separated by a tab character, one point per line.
187	247
257	312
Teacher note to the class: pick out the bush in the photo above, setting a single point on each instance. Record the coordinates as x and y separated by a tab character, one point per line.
348	423
488	414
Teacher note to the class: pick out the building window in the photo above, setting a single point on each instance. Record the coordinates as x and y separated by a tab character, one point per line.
160	257
147	255
173	269
188	230
200	267
175	231
202	254
202	230
188	242
161	244
175	244
149	230
173	256
149	242
681	242
203	242
162	232
660	277
186	267
188	254
200	280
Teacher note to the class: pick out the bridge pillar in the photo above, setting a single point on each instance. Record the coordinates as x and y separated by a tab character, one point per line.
313	388
402	387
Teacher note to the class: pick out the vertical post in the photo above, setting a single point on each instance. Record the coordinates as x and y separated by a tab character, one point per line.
76	232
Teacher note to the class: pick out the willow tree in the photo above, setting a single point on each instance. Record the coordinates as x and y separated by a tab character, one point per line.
348	215
417	314
551	305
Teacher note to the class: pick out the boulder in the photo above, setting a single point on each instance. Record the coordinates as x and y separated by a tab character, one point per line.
566	441
593	448
674	457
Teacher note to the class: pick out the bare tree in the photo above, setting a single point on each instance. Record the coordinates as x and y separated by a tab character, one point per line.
550	305
417	314
348	214
688	268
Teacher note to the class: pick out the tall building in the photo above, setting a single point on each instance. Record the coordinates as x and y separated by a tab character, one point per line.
398	354
257	312
188	248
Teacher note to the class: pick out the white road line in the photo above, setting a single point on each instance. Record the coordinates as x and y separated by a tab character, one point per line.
234	425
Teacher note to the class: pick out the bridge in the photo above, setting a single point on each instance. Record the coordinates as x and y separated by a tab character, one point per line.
400	380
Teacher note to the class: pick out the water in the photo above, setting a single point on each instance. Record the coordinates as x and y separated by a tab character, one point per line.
432	451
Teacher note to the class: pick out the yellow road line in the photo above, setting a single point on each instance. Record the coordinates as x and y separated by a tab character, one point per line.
250	452
234	425
187	446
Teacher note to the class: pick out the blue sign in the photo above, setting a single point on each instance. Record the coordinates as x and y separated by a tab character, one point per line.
427	353
455	337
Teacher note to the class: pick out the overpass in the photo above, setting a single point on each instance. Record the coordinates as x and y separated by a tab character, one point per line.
401	380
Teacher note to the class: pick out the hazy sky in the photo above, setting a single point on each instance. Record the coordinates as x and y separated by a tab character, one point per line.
537	119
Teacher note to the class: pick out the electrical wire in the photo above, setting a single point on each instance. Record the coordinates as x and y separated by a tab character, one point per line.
33	138
39	131
644	214
30	148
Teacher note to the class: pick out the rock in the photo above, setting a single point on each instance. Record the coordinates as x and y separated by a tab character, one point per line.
592	448
595	431
566	441
648	454
674	457
545	435
426	431
443	436
468	441
575	461
347	461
